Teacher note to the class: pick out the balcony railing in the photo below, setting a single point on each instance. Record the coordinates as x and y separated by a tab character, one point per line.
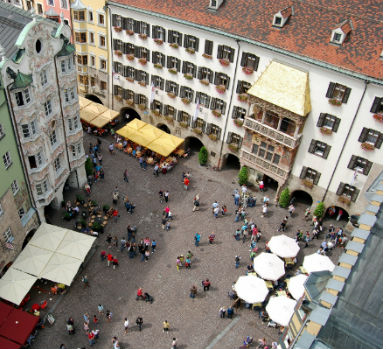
270	132
263	165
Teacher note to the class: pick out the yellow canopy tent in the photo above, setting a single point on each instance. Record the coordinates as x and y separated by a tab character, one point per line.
126	132
90	112
151	132
83	102
100	121
110	114
136	124
165	144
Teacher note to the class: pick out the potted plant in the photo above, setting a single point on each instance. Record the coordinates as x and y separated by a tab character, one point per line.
212	137
183	124
326	130
308	183
190	50
197	131
174	45
319	210
118	29
158	41
156	112
203	156
171	94
142	60
344	199
129	32
335	102
378	117
205	82
220	88
130	57
106	208
158	66
367	146
130	79
129	102
89	167
243	97
238	122
169	119
216	113
185	100
67	216
188	76
172	70
247	70
143	36
96	226
243	175
118	53
141	106
284	198
233	147
205	55
142	83
224	61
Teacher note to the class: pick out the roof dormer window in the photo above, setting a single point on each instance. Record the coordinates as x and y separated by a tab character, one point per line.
277	19
340	33
214	4
280	18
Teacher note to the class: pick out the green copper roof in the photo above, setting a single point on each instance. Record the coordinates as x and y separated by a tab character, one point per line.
21	80
66	50
18	55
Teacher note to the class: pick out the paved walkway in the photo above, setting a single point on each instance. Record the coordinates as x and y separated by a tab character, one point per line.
195	323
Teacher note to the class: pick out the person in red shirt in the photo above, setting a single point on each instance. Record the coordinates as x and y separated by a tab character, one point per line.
206	284
109	259
140	294
115	262
186	183
91	338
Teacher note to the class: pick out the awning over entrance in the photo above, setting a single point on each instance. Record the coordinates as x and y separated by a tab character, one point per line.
53	253
150	137
285	87
95	114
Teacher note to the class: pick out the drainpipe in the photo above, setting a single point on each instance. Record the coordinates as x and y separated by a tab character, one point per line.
230	103
299	333
109	54
345	141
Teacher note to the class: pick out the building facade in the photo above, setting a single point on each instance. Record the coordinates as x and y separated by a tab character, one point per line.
179	73
18	218
91	37
39	76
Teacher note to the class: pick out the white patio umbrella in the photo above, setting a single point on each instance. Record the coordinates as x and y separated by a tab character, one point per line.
75	245
296	285
280	309
15	284
283	246
269	266
316	262
251	289
32	260
48	236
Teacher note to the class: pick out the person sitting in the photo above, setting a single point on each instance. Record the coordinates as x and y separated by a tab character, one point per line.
237	234
140	294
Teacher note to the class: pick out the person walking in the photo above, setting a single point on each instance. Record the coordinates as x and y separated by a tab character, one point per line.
211	238
236	197
186	183
205	284
166	196
139	323
197	238
100	308
166	326
174	343
283	224
111	148
126	325
126	176
109	315
237	261
222	312
196	202
109	259
85	281
193	292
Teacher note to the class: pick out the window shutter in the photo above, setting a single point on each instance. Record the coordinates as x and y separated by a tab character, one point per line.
208	47
232	55
311	149
340	188
196	44
182	91
137	75
354	195
210	76
227	81
224	106
186	40
336	125
229	137
136	26
316	178
147	78
147	55
162	59
115	90
194	72
137	52
367	168
115	67
199	77
243	59
220	51
178	65
321	120
379	141
303	173
154	56
213	104
374	107
124	20
239	86
162	84
114	20
115	44
363	135
352	162
346	95
330	90
179	39
136	98
154	31
326	152
208	128
170	36
169	62
256	64
184	67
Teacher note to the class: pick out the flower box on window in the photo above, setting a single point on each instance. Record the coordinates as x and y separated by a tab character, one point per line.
129	102
326	130
118	98
188	76
378	117
212	137
243	97
205	55
142	83
130	79
143	36
118	53
190	50
233	147
220	89
334	101
367	146
158	41
205	82
225	62
197	131
185	100
183	124
173	70
129	32
174	45
344	199
171	95
118	29
158	66
216	113
156	112
247	70
169	119
143	61
308	183
130	57
142	106
238	122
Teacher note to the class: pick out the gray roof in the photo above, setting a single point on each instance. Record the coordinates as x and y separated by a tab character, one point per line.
360	233
372	208
316	283
348	259
355	246
304	341
335	285
12	22
320	315
342	272
328	297
367	219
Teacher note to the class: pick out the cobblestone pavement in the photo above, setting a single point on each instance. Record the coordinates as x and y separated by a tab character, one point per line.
194	322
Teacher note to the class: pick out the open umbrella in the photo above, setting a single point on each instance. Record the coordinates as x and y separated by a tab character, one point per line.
76	245
283	246
32	260
15	284
316	262
251	289
280	309
296	285
269	266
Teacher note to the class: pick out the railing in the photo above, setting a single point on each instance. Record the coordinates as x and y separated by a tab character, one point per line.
270	132
264	165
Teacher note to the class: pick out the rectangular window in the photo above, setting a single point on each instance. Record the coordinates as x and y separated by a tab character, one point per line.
73	123
156	106
371	137
48	107
199	124
206	74
82	59
218	105
103	85
338	92
142	76
249	61
128	49
129	72
117	21
53	139
43	77
8	236
22	97
57	164
174	37
214	130
235	139
328	121
377	107
92	81
63	4
158	33
7	160
80	38
238	113
360	165
90	16
128	24
208	50
141	28
14	187
170	111
222	79
191	42
91	38
186	92
28	129
319	148
92	61
242	86
42	187
348	191
102	41
173	63
101	19
40	9
51	2
2	132
203	99
158	58
102	64
158	82
310	175
183	117
226	53
189	69
172	87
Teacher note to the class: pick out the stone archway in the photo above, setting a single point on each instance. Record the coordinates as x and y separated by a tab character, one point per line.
230	161
164	128
302	196
193	143
333	212
28	238
94	99
128	114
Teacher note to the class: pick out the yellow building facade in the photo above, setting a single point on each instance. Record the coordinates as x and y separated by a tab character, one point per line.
91	39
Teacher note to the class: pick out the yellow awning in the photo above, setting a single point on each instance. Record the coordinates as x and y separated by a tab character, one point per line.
100	121
110	114
83	102
165	144
126	132
136	124
285	87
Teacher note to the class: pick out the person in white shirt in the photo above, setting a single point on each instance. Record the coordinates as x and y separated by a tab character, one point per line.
126	324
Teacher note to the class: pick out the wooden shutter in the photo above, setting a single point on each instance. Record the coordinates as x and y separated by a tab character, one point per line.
147	29
162	84
114	20
379	141
239	86
178	64
147	55
136	26
162	59
169	62
184	67
244	59
316	178
154	56
186	40
227	81
229	137
363	135
367	168
352	162
340	189
137	75
208	129
321	120
311	149
346	95
115	44
256	64
336	125
115	90
376	103
354	195
232	55
303	173
170	36
179	39
208	47
115	67
224	106
194	72
326	152
196	43
182	91
199	76
137	52
213	104
220	51
136	98
330	90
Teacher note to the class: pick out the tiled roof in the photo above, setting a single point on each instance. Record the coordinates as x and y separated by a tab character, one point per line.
307	33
